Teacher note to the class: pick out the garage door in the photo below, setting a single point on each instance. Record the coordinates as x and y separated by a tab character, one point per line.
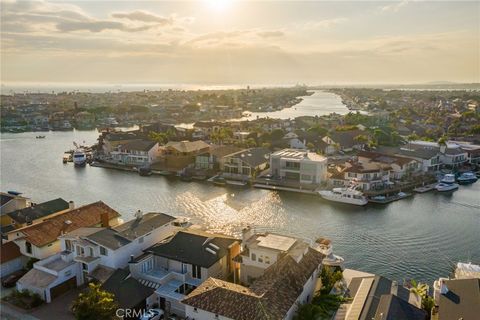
63	287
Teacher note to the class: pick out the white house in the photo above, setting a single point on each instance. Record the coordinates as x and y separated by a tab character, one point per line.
182	262
137	152
293	141
276	294
95	253
299	166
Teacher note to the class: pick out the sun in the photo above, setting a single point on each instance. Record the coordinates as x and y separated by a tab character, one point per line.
219	5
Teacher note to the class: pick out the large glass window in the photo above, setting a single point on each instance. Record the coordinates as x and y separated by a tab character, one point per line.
196	271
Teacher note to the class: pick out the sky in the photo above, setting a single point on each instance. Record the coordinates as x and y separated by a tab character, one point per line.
215	42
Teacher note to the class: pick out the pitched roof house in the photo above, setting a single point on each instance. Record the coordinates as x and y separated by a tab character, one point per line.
37	212
275	295
40	240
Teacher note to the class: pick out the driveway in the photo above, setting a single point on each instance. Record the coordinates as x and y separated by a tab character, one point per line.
59	308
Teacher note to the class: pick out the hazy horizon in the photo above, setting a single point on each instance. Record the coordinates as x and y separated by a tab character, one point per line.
239	43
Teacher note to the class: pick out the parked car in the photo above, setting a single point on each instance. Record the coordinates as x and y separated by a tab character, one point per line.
10	280
152	314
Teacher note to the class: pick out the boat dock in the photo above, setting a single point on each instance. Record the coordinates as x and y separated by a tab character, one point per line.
426	188
384	200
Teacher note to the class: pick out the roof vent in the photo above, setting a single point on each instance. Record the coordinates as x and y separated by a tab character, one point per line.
139	214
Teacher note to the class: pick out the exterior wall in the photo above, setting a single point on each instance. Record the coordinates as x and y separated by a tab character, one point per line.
12	266
306	295
12	205
39	252
306	171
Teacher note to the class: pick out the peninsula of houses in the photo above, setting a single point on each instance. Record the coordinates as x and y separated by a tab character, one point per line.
161	265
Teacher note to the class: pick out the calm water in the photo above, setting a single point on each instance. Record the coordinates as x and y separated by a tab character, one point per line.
420	237
318	104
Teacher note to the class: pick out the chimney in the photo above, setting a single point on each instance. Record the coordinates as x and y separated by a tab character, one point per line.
71	205
104	219
139	214
131	258
247	233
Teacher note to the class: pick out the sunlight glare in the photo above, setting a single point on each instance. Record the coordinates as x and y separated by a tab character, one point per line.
219	5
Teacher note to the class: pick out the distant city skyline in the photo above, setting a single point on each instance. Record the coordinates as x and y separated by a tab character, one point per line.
233	42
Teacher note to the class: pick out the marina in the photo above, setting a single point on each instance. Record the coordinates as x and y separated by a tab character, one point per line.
378	238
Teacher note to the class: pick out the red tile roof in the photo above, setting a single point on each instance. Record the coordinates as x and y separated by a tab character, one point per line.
49	230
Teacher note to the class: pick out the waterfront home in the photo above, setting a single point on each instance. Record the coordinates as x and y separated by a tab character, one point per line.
111	140
298	166
40	240
262	250
177	155
38	212
400	166
344	141
284	285
212	159
137	153
179	264
472	150
376	297
129	293
457	299
11	259
245	164
451	154
429	158
366	174
10	202
241	136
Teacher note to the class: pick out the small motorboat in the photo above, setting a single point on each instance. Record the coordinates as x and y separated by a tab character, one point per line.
40	137
444	187
145	171
219	181
448	178
467	178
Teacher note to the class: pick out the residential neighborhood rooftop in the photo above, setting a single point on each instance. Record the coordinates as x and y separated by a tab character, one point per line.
194	247
39	210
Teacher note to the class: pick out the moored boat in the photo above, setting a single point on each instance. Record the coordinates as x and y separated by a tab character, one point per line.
444	187
344	195
448	178
79	158
467	178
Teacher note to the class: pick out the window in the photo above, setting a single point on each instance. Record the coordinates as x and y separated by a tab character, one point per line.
216	316
68	273
90	251
147	265
267	259
196	271
84	266
254	257
28	247
103	251
260	259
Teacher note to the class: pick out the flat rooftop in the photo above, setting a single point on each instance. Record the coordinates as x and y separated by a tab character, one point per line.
299	155
275	241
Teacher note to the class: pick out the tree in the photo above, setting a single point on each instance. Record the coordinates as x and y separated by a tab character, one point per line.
329	277
95	304
421	290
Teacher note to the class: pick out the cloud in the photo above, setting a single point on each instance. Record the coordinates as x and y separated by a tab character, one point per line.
271	34
97	26
143	16
394	7
322	24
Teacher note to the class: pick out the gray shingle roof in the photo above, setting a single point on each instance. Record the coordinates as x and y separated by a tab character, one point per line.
128	292
392	307
139	145
253	156
462	301
191	247
39	211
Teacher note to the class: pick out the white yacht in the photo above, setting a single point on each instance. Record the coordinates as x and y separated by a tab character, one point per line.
324	246
447	183
79	157
344	195
448	178
443	187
